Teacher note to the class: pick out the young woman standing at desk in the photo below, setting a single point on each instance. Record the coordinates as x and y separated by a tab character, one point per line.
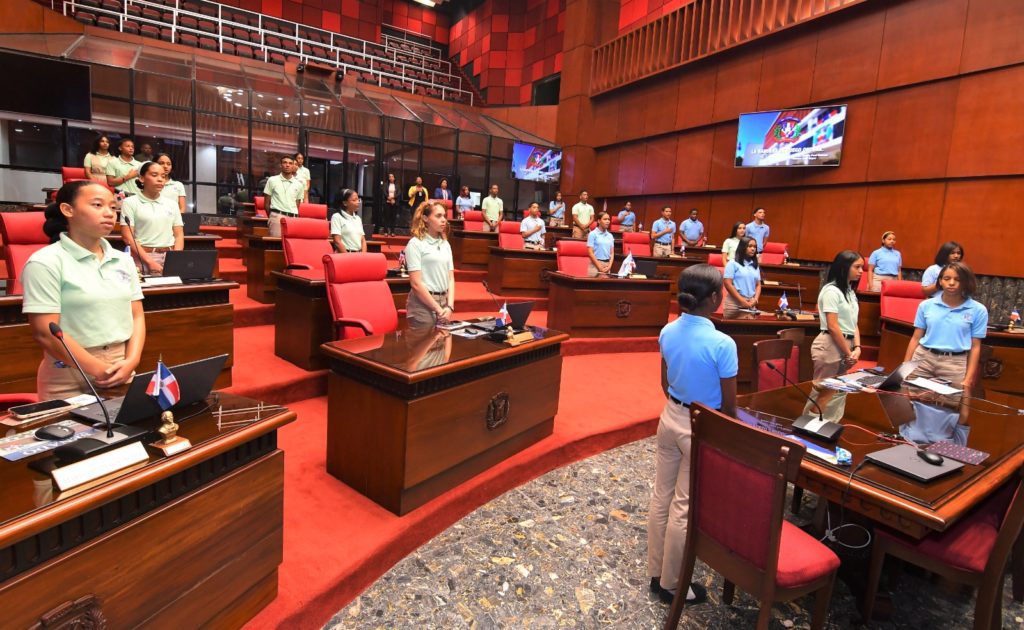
698	364
428	257
950	252
601	246
347	232
96	160
742	279
729	245
885	263
87	287
837	347
152	223
173	191
948	330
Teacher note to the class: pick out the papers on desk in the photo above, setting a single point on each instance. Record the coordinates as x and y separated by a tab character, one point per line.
161	281
770	283
470	332
938	388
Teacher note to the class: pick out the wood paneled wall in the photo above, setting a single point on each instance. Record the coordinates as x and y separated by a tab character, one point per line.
934	134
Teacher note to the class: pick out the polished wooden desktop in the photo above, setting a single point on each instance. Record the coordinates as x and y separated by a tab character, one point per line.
607	306
184	323
889	498
520	272
302	315
471	249
806	277
1001	371
191	540
749	328
414	413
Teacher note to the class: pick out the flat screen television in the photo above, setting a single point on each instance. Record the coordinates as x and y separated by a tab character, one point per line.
59	89
536	164
809	136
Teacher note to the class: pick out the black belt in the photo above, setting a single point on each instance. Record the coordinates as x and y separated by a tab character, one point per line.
946	353
677	401
353	251
846	337
439	293
603	259
285	213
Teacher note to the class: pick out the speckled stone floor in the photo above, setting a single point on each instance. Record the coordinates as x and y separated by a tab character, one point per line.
568	550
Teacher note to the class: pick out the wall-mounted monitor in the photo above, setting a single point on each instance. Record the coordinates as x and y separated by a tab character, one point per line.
536	164
46	87
810	136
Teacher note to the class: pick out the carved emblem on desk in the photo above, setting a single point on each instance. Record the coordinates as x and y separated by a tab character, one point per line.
497	411
992	368
82	614
623	308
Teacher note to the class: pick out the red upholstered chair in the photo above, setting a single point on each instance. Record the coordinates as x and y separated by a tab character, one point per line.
572	257
261	205
313	211
862	284
360	299
13	400
509	236
738	477
305	242
775	248
473	220
448	204
900	299
796	335
23	235
716	260
772	259
616	225
776	352
72	174
637	243
973	551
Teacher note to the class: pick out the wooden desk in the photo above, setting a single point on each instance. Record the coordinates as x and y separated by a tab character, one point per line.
192	242
887	497
700	252
869	318
471	249
669	268
263	256
554	234
192	540
251	225
183	323
607	307
520	272
807	278
412	414
758	328
1003	372
302	315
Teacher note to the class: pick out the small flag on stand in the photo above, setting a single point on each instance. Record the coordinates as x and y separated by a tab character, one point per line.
628	266
502	319
783	302
164	387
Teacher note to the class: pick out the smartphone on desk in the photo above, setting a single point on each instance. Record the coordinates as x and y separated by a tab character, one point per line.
25	412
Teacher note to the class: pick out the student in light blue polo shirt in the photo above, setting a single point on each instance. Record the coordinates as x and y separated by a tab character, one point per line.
692	229
699	364
758	229
885	263
948	330
601	246
662	233
949	252
742	279
627	218
556	210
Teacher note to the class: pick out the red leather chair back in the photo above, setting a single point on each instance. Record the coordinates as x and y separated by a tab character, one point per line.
356	289
772	258
862	284
313	210
509	236
23	235
473	220
71	173
261	205
716	260
775	248
448	204
637	243
900	299
616	225
305	242
572	257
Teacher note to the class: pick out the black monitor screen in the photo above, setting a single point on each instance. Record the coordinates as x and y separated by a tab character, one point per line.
45	87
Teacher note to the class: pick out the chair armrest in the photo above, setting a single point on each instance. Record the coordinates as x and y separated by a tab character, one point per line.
342	322
298	266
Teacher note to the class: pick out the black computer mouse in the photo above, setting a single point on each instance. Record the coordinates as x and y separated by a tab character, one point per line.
54	432
932	458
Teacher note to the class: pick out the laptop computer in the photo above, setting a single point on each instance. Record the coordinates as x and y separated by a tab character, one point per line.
647	268
903	459
518	312
192	221
195	381
888	382
191	265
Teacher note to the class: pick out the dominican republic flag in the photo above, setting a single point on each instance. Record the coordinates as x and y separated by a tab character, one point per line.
164	387
1014	316
502	319
783	302
627	266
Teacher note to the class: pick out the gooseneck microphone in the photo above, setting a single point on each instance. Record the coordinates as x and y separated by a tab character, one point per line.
819	428
56	331
488	289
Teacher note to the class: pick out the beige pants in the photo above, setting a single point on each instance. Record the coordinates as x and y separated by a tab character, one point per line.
731	308
876	281
592	269
670	502
628	228
158	258
54	382
661	250
555	222
487	227
827	357
951	368
533	246
577	232
418	314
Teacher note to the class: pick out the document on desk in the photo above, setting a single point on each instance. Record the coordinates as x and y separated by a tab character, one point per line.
938	388
161	281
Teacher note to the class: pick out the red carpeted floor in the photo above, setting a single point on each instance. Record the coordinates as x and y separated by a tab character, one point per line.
337	542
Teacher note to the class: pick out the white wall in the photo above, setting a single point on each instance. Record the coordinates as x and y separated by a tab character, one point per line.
206	162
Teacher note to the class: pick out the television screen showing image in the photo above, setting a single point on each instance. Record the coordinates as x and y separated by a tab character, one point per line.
811	136
536	164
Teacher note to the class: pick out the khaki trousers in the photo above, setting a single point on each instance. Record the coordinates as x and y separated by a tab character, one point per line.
555	222
487	227
661	250
418	314
827	357
577	232
54	382
670	502
951	368
876	281
533	246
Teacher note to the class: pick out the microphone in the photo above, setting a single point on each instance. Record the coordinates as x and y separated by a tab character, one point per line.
820	428
488	289
56	331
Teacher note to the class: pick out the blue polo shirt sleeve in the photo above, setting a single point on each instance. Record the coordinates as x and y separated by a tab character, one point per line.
873	259
730	269
592	239
726	357
919	321
979	324
930	276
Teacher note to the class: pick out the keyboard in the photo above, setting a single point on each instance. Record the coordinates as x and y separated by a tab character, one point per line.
872	381
958	453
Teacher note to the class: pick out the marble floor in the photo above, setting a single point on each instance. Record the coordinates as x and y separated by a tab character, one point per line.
568	550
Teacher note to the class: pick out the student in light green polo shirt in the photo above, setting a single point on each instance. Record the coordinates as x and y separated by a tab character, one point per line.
347	232
284	194
151	223
123	170
837	348
87	287
428	257
173	190
493	208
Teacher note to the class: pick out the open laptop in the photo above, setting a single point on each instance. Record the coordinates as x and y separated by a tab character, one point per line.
903	459
518	312
888	382
195	381
647	268
191	265
192	221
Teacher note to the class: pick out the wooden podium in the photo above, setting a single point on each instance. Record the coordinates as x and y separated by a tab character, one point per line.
607	307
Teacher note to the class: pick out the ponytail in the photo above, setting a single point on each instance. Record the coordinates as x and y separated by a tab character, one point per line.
56	222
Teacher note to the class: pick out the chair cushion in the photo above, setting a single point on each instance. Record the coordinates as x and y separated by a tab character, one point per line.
802	559
304	241
775	248
304	228
572	257
355	267
771	259
716	260
768	378
900	299
70	173
313	210
636	243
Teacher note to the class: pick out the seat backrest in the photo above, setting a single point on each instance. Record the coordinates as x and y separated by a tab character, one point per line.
636	243
797	336
900	299
772	259
775	248
261	205
72	173
305	241
509	236
862	284
448	205
738	476
23	235
473	220
572	257
356	289
777	353
616	225
716	260
313	210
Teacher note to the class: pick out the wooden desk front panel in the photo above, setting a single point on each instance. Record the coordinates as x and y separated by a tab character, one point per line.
208	559
263	257
615	310
520	272
807	278
471	250
746	332
868	320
